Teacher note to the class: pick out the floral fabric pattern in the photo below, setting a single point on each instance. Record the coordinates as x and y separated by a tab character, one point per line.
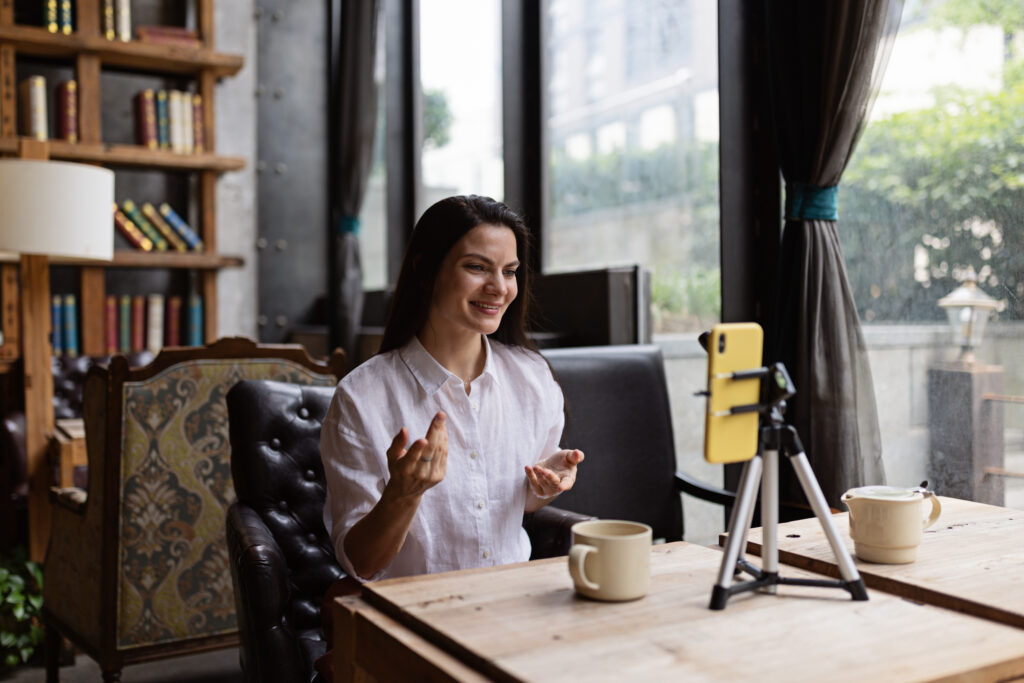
175	490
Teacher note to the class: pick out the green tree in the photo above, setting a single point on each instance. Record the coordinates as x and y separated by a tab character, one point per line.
437	119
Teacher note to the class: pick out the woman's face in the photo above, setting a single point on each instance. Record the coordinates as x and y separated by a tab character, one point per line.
476	283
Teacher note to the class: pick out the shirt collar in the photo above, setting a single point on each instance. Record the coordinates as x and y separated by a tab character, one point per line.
430	374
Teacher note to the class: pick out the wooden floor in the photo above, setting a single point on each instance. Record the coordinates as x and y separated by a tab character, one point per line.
210	667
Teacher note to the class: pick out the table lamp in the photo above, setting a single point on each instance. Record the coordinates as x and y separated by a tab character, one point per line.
48	208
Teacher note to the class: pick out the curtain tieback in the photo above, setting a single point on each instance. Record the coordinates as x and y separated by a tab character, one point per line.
348	224
810	202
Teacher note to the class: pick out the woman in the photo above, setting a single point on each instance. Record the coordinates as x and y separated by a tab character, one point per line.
455	365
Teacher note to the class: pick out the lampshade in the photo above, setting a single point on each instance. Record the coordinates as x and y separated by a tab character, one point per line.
56	208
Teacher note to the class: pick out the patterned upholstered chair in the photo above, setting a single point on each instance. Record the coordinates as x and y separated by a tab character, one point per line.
139	569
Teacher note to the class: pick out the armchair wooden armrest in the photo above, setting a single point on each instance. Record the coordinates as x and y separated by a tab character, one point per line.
699	489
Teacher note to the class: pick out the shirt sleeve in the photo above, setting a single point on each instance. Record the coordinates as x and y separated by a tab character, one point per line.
354	470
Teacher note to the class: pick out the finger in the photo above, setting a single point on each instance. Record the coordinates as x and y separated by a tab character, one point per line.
549	476
575	457
397	448
415	454
535	484
437	432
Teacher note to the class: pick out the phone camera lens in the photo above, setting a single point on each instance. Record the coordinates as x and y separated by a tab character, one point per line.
721	343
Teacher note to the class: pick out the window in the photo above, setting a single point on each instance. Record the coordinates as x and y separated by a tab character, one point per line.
633	148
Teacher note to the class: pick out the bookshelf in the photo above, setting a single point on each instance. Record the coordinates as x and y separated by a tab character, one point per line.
90	55
100	66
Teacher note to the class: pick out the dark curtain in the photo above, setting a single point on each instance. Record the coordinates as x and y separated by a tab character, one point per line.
826	59
353	116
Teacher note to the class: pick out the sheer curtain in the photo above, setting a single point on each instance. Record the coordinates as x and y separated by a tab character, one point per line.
354	108
826	61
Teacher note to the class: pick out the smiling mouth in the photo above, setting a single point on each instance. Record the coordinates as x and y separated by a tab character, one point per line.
487	308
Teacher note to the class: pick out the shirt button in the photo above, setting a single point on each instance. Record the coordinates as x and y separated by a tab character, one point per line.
480	504
487	553
473	455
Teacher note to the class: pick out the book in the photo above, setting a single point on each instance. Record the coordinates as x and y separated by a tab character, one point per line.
51	19
67	111
198	127
187	141
123	19
57	325
138	323
70	326
109	28
32	93
155	322
181	227
177	122
168	233
124	324
194	334
110	326
136	217
145	119
172	321
131	231
66	21
163	122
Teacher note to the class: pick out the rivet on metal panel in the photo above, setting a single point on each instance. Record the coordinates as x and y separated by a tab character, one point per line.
261	166
262	321
259	89
258	12
261	243
281	245
281	321
278	94
278	15
280	168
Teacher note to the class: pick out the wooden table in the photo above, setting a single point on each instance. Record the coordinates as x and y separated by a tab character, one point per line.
971	560
524	623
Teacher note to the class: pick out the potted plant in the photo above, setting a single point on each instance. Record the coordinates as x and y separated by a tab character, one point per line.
21	599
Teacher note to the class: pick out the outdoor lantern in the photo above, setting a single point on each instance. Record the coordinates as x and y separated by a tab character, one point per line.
968	308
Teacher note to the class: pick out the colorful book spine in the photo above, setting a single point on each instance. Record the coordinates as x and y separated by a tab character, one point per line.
181	227
109	27
163	120
70	326
138	323
187	134
66	21
131	231
52	19
67	111
155	323
57	325
145	119
195	320
110	325
136	217
124	324
172	321
172	237
33	107
123	20
198	127
177	121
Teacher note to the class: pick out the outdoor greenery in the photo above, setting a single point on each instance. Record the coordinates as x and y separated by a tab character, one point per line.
21	598
936	193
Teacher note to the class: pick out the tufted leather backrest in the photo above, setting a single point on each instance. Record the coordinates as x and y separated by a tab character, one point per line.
618	414
279	484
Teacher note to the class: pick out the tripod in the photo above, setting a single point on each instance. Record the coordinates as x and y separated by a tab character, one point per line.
775	437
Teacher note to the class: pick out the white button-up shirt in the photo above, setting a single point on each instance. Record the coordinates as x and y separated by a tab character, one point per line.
512	417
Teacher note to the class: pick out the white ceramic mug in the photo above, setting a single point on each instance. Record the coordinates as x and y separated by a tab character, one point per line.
611	559
886	522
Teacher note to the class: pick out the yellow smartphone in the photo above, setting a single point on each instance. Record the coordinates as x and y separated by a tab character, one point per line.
732	347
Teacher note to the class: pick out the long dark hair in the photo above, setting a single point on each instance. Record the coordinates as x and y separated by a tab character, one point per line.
435	233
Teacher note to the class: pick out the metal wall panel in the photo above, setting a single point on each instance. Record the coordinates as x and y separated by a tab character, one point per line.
291	102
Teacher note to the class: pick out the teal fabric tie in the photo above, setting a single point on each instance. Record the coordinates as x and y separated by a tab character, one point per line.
348	224
810	202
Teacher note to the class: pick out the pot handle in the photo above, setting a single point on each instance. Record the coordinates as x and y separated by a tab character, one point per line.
577	554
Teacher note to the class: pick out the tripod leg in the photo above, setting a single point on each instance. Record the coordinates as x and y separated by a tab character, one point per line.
737	540
770	516
817	499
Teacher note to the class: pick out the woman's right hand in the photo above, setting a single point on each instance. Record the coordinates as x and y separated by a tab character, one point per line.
423	465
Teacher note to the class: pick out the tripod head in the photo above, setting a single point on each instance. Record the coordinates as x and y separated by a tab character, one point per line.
777	387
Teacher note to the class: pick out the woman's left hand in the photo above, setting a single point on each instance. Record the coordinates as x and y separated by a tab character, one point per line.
554	474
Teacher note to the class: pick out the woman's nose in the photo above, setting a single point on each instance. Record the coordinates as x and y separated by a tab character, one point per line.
497	283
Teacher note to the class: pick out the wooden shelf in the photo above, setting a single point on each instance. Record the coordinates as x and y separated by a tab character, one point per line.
132	155
147	259
134	55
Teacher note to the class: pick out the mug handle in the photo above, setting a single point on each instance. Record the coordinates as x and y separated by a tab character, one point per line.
936	511
577	554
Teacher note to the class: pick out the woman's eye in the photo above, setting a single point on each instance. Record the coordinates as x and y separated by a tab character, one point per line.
510	273
476	267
